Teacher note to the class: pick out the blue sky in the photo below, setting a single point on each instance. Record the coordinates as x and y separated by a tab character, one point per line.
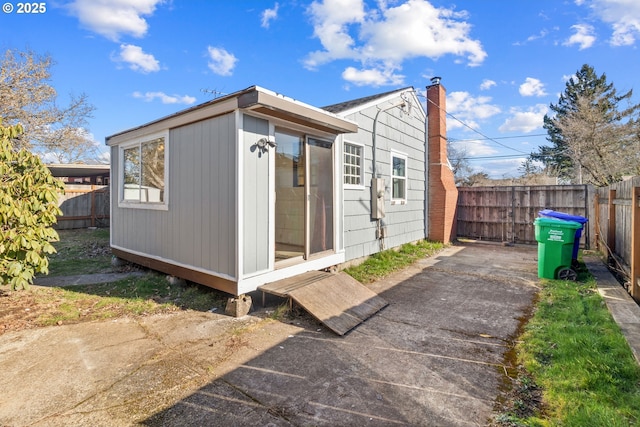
502	61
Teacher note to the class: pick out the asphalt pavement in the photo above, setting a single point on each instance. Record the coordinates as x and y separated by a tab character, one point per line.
437	355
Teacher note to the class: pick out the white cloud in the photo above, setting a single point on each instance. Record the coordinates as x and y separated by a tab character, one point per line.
487	84
624	17
164	98
221	62
525	121
532	87
474	148
372	77
469	109
114	18
382	39
137	59
583	36
269	15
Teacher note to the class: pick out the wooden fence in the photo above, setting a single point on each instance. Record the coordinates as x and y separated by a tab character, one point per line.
83	206
506	214
617	229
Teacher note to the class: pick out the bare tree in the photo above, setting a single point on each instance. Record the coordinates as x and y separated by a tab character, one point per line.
29	99
599	142
459	163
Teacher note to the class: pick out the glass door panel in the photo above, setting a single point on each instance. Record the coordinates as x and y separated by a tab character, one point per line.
290	197
320	196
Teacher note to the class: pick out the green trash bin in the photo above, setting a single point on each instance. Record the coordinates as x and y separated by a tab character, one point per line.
555	248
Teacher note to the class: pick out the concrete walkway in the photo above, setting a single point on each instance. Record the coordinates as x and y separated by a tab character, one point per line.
84	279
436	356
624	310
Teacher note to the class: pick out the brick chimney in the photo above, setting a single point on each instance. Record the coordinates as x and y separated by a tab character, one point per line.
442	191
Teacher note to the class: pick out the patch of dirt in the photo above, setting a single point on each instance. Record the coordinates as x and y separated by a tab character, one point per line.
521	401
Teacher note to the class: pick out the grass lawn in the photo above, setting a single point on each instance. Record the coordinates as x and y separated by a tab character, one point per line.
87	251
573	351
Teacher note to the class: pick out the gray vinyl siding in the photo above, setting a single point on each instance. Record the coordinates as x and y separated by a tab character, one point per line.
255	196
404	134
198	229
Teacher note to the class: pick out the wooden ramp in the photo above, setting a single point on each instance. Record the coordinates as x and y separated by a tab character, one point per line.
337	300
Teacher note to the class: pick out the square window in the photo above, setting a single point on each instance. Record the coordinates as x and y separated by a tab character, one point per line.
352	169
144	172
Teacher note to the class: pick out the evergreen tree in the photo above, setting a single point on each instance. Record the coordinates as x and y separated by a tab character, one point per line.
585	95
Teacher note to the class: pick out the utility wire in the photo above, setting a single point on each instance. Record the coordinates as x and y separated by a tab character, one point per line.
497	137
477	131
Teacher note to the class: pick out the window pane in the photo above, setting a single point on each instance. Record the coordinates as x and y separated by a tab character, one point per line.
399	167
352	170
398	188
132	174
152	176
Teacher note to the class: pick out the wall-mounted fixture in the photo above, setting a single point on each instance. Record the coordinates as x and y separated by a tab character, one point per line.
263	144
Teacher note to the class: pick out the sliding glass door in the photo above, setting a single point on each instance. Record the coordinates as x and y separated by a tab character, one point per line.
304	196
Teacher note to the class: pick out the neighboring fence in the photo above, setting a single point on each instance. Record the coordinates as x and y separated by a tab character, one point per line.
506	214
617	229
83	206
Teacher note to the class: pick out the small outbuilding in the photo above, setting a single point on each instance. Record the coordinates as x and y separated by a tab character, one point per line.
255	187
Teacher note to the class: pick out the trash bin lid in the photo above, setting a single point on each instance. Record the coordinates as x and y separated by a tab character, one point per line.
557	223
561	215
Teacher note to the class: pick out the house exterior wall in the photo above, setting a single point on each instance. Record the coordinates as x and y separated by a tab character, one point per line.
256	196
198	229
402	133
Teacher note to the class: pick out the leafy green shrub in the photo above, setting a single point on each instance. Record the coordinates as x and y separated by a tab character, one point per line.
28	209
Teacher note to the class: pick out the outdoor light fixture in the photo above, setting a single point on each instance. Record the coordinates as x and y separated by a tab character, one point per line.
264	143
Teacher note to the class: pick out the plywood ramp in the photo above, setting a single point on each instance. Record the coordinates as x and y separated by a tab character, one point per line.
337	300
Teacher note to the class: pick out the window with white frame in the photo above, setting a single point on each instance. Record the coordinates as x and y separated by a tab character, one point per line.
398	178
352	165
144	172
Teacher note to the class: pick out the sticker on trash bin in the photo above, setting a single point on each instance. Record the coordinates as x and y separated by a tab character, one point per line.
556	235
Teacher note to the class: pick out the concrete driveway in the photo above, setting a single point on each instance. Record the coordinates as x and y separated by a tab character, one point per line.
434	357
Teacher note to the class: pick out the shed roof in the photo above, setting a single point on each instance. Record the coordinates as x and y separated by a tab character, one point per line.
259	100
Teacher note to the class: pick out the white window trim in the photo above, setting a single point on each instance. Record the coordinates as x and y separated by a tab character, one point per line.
354	186
403	156
122	203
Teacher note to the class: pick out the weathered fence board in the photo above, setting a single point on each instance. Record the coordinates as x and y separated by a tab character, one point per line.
507	213
617	228
83	206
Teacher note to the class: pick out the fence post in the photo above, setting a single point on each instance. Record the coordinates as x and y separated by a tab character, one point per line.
596	221
611	235
635	243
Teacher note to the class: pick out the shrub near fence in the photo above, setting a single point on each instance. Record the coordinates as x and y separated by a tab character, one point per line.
617	229
83	206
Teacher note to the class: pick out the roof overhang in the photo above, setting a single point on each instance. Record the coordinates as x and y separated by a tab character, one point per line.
280	107
78	170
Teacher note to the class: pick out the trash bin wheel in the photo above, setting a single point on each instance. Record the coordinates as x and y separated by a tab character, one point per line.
567	274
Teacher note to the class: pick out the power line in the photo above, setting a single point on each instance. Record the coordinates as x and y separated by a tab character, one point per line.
506	156
497	137
477	131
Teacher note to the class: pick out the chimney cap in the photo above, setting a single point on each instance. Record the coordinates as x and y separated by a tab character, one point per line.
436	80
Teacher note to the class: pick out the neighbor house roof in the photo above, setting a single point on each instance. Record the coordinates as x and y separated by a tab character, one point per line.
355	103
78	170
